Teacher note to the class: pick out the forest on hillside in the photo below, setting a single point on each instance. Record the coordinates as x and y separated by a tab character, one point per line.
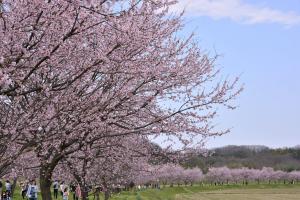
256	157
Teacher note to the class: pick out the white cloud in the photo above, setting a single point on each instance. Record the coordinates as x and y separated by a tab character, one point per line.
239	11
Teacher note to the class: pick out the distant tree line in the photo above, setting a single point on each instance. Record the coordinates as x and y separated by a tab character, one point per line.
170	174
254	157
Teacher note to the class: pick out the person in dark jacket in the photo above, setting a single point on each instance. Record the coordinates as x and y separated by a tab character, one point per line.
55	188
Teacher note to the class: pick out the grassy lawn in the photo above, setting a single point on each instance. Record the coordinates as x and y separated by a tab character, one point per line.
244	194
231	192
226	192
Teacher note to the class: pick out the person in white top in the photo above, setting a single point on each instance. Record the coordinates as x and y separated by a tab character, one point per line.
8	186
32	191
62	188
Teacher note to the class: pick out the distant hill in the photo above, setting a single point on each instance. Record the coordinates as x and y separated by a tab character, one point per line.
233	148
287	159
297	147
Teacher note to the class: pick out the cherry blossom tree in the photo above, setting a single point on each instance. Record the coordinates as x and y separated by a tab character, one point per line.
76	72
192	176
10	150
169	174
108	163
294	176
279	176
219	175
245	175
257	175
172	174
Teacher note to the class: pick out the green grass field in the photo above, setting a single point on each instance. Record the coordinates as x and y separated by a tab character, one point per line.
226	192
231	192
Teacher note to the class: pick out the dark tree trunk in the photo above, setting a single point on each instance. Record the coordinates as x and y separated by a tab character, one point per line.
14	186
97	194
106	195
46	172
45	182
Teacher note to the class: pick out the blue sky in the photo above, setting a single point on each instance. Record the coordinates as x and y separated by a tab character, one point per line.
259	40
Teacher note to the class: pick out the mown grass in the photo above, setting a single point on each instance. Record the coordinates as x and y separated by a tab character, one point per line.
197	192
245	194
205	192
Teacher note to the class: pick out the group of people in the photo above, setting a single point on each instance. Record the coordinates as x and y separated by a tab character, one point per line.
6	193
32	190
64	190
29	190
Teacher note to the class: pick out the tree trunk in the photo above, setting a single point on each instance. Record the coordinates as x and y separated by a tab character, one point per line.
45	180
97	194
45	184
106	195
14	186
46	171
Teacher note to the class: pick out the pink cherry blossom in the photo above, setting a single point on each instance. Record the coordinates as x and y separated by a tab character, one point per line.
80	75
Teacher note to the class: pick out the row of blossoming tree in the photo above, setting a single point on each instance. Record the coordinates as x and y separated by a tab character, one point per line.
171	174
85	85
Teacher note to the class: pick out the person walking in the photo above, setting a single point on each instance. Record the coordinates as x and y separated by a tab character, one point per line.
7	190
32	191
65	193
78	192
8	186
55	189
62	188
24	188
